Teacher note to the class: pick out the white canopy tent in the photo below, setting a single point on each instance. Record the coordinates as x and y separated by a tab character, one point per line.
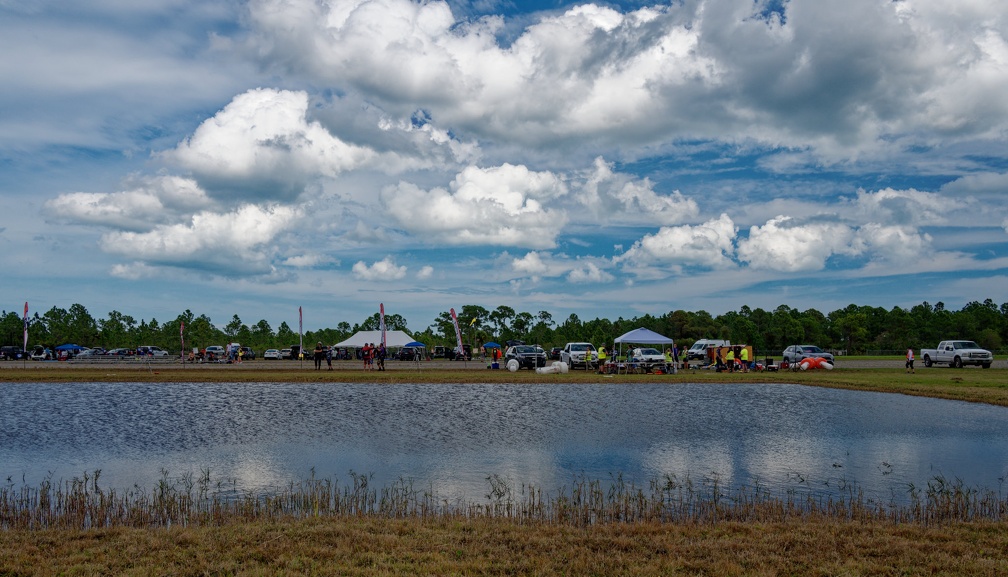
393	339
642	336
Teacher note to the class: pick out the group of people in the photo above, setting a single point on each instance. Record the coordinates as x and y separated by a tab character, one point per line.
374	356
608	363
736	359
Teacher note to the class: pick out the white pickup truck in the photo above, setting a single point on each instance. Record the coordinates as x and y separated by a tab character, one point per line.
957	354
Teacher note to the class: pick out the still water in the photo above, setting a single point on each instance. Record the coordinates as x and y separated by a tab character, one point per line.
263	436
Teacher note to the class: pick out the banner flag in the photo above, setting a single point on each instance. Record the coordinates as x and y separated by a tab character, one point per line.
381	322
25	347
300	334
458	333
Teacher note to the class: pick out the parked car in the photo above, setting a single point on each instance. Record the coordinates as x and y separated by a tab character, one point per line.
957	354
555	353
699	349
579	354
40	353
409	354
271	355
647	355
286	354
152	351
528	356
120	352
89	353
248	354
13	353
795	353
214	353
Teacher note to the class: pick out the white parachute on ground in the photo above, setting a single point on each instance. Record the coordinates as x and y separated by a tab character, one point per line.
555	368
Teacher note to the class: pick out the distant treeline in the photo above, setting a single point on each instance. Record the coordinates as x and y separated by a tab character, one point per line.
853	329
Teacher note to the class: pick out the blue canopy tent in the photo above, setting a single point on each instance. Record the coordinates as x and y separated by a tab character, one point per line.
69	349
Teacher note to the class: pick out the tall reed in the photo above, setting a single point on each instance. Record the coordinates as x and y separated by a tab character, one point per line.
185	500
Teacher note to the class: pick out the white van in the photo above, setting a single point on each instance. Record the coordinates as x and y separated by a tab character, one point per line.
699	348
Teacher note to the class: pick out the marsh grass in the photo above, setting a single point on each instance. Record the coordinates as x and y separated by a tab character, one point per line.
194	526
81	503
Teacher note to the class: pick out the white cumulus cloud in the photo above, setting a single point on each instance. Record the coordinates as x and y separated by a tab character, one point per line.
485	206
894	243
909	207
237	241
709	245
531	264
782	245
150	202
382	270
588	272
263	144
623	198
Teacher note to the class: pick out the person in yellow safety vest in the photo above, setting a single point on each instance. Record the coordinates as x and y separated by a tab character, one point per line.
744	357
730	359
601	359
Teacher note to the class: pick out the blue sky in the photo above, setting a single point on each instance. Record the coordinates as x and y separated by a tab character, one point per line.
606	160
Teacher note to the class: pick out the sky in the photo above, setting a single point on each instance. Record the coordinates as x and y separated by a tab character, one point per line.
605	160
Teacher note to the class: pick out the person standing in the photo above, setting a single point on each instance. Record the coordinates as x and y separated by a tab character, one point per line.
744	357
328	357
382	353
730	359
910	361
319	354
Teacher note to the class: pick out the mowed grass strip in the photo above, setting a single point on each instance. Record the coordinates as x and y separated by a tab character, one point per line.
969	384
450	546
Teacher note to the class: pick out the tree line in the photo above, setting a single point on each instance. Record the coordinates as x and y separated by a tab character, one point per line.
853	329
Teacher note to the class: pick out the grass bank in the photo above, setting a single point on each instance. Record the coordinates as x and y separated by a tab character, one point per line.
672	527
446	546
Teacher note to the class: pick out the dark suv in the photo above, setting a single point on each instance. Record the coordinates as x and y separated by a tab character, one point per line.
528	356
12	353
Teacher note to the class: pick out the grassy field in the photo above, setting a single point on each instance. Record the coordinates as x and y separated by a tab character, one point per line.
714	535
449	546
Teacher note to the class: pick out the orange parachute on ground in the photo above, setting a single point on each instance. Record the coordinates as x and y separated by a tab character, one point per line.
815	363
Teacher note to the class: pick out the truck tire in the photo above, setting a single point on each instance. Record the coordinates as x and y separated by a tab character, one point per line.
927	361
986	365
957	363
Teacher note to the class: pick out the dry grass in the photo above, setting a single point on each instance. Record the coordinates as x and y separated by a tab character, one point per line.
459	546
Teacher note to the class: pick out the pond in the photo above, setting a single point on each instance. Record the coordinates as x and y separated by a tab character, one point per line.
451	437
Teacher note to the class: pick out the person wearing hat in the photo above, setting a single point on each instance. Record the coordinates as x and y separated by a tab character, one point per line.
319	355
